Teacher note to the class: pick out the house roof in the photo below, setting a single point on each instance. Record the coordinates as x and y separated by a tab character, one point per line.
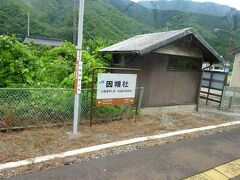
143	44
43	41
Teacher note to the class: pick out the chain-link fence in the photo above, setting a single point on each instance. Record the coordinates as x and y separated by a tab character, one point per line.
101	113
35	107
231	98
23	108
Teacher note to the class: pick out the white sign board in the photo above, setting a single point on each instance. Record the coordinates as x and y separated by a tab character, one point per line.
78	78
116	89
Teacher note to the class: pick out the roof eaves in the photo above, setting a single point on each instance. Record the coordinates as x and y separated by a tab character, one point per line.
120	52
175	37
208	47
166	42
43	38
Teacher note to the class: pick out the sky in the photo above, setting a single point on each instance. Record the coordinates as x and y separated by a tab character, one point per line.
231	3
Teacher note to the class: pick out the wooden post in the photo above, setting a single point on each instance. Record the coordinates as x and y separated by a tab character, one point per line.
141	89
222	97
209	87
199	90
230	102
223	91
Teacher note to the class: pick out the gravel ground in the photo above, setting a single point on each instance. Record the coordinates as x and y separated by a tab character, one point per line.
36	142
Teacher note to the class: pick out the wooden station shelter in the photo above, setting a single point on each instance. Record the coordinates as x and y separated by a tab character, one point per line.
171	64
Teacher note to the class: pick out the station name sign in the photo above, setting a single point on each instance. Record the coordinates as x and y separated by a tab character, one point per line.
78	77
116	89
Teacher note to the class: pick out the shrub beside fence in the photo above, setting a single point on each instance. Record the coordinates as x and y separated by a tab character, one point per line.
23	108
231	97
117	112
35	107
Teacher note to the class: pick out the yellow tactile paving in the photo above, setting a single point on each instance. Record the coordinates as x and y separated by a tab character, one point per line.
213	174
231	169
223	172
199	177
208	175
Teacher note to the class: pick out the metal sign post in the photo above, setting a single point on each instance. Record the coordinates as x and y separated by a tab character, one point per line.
78	68
105	102
116	89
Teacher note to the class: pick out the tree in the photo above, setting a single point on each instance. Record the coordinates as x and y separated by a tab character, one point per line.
24	66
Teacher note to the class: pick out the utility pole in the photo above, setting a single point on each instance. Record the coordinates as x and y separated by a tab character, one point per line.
74	22
78	69
28	33
228	44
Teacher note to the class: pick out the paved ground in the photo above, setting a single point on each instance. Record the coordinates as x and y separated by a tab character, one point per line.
170	161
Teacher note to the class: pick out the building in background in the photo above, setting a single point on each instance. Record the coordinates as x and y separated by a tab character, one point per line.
235	80
37	41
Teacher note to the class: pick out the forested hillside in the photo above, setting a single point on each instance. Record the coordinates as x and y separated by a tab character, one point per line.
207	8
222	41
54	18
113	20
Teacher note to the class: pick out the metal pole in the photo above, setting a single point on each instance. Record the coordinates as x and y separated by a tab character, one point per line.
228	49
78	71
74	22
92	96
28	33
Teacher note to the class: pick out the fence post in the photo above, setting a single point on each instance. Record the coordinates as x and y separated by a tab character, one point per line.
234	95
230	102
139	99
209	87
92	96
222	96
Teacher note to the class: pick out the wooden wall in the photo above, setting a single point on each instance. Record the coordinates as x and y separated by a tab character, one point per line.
163	87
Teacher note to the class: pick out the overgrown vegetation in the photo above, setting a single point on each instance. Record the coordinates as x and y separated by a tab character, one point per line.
24	66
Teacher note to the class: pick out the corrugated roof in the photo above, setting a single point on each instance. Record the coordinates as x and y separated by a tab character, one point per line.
43	41
142	44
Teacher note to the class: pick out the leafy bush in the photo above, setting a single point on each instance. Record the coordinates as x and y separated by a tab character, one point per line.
24	66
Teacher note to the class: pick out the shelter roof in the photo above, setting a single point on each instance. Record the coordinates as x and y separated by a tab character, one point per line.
143	44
